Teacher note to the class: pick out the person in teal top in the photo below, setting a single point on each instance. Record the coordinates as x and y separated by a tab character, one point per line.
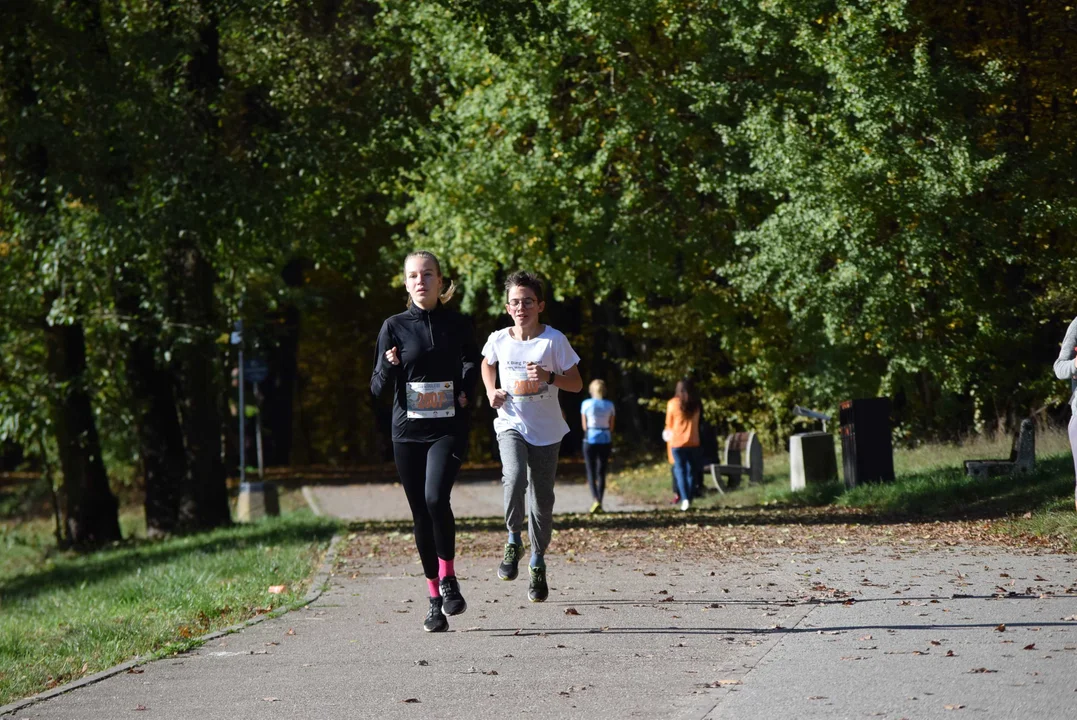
597	416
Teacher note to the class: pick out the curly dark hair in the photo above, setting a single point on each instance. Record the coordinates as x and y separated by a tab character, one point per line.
522	278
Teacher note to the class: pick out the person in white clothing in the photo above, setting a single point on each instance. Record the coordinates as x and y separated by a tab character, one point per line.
534	362
1066	369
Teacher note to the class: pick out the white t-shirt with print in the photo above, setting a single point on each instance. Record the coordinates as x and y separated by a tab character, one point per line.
532	408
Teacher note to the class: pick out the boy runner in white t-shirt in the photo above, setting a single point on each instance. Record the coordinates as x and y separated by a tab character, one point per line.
534	362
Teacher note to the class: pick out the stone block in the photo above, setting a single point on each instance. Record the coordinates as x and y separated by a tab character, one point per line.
812	459
256	501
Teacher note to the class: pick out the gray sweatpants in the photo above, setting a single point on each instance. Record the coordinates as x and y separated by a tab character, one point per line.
1073	448
531	468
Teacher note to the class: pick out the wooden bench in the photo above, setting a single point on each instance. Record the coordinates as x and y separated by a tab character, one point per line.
742	455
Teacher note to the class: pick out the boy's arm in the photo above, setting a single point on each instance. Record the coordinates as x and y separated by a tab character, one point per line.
570	381
489	379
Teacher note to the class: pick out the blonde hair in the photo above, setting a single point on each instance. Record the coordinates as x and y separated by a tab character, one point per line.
597	388
447	293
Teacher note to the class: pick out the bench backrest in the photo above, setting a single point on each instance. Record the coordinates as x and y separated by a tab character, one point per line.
744	449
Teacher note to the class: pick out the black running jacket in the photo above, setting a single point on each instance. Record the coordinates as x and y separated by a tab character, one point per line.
435	347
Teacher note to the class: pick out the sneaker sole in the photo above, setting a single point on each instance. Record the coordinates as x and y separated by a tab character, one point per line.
443	628
508	577
537	600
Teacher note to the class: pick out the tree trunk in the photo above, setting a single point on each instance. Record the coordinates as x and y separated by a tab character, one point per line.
204	497
160	438
90	511
89	508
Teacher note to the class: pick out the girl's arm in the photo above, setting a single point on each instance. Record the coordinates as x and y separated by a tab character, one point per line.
383	369
470	358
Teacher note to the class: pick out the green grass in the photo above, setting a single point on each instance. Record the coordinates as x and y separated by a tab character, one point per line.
930	483
65	615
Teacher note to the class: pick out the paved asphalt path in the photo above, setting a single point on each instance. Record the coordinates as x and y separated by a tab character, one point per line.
863	630
476	498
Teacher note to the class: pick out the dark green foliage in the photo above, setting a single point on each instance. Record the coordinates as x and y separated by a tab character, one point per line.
796	201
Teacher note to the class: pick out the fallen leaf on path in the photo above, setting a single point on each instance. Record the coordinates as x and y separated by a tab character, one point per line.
936	642
291	631
140	707
950	653
982	670
421	663
276	589
865	637
1001	628
410	700
953	707
271	699
136	671
1030	646
571	611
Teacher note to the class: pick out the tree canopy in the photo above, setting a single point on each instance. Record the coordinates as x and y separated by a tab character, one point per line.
797	201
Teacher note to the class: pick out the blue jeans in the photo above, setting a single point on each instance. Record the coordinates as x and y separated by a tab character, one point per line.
687	462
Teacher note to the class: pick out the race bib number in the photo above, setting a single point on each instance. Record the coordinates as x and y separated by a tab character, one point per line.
523	390
431	400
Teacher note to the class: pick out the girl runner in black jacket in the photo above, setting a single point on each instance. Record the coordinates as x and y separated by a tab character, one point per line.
428	356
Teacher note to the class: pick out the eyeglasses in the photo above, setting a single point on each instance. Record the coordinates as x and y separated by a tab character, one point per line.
528	303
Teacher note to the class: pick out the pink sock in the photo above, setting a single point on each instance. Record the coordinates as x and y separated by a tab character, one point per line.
445	568
433	585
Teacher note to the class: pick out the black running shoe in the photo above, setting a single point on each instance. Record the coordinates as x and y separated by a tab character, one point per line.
435	620
510	566
452	601
538	591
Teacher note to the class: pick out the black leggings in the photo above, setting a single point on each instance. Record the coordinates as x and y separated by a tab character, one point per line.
596	458
427	472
